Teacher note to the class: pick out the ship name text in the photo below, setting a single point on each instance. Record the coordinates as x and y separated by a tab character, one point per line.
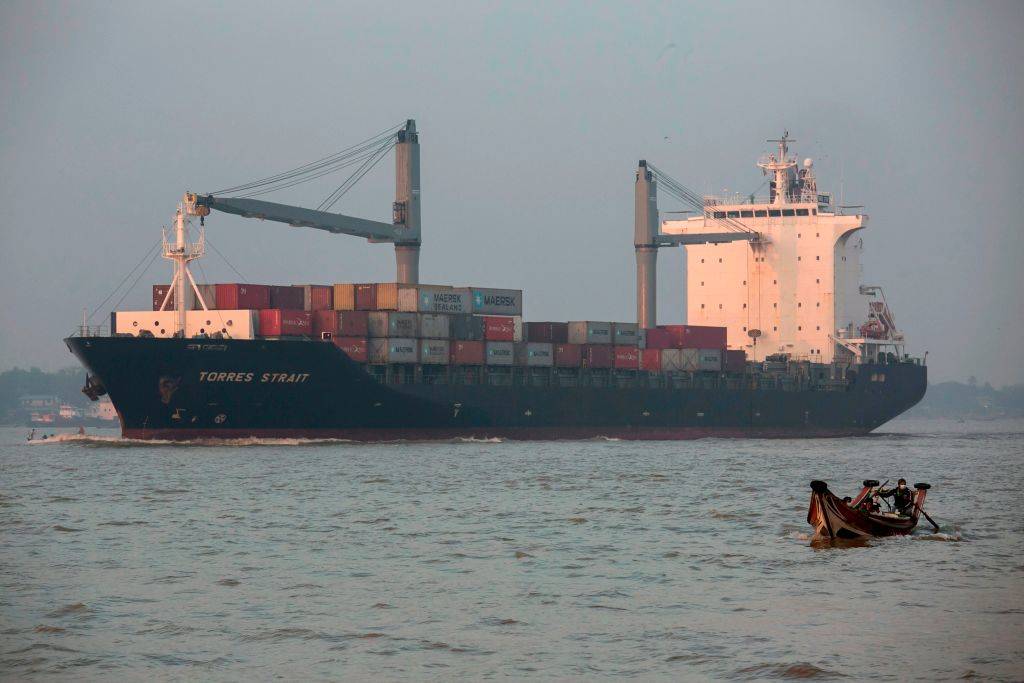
250	377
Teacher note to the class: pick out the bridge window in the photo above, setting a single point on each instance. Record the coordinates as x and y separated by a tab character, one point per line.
787	212
760	214
733	214
774	213
801	212
719	214
747	214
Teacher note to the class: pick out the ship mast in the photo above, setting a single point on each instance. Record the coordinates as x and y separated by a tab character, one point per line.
181	252
780	167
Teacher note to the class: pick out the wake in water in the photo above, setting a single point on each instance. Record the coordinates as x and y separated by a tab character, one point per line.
121	442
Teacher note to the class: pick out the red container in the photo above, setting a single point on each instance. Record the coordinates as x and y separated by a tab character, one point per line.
283	296
277	322
233	297
735	361
324	321
696	336
354	347
598	356
658	338
467	353
568	355
650	360
317	297
627	357
534	332
353	323
159	292
366	297
499	328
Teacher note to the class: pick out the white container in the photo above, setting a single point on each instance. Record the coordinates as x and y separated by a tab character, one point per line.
709	360
499	353
231	324
155	323
393	350
434	351
393	324
690	359
590	332
497	301
435	326
535	354
671	360
625	334
434	299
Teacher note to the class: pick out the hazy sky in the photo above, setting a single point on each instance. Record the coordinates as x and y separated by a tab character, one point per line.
532	118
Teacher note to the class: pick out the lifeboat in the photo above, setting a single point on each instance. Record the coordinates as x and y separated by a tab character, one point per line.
840	518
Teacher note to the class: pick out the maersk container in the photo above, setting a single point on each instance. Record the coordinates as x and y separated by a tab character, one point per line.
500	328
283	322
343	297
434	351
393	350
627	357
626	334
355	348
598	356
287	297
317	297
434	299
671	360
497	301
696	336
467	352
590	332
467	327
568	355
148	323
650	360
235	296
393	324
232	324
500	353
435	326
657	338
535	354
366	297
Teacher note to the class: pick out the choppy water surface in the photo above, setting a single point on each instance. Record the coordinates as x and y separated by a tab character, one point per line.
668	560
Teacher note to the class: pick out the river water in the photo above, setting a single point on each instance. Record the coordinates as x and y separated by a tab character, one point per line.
573	560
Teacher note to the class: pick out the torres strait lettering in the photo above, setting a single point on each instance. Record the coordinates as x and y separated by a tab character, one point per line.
248	377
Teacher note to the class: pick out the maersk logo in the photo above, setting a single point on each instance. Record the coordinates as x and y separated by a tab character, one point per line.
480	300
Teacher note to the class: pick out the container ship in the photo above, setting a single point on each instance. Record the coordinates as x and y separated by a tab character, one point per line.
784	340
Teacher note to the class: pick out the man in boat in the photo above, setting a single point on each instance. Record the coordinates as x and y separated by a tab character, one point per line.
870	502
902	497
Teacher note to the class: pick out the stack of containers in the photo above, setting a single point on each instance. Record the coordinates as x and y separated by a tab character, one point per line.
690	348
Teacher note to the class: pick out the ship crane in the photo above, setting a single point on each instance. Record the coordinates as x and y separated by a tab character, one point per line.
648	236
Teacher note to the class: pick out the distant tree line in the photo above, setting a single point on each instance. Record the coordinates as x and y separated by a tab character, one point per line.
65	384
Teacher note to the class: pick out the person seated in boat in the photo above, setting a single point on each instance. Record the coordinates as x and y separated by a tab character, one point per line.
902	497
870	502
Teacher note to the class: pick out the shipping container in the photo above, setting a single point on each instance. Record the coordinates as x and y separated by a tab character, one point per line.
465	352
283	322
590	332
657	338
232	324
288	297
366	297
735	360
550	332
467	327
499	328
209	294
150	323
696	336
709	360
343	297
568	355
234	296
393	350
625	334
434	326
500	353
393	324
650	360
159	292
627	357
317	297
434	351
386	296
535	354
598	355
434	299
341	323
325	321
671	360
497	301
355	348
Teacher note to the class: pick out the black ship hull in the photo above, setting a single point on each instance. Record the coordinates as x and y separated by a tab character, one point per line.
206	388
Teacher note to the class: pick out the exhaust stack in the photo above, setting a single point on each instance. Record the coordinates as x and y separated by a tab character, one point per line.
644	236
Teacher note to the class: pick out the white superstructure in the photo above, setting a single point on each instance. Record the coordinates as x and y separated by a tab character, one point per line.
795	287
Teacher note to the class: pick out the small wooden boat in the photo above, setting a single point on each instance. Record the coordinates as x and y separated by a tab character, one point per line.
838	518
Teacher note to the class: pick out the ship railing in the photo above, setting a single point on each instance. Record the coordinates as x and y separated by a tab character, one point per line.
91	331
